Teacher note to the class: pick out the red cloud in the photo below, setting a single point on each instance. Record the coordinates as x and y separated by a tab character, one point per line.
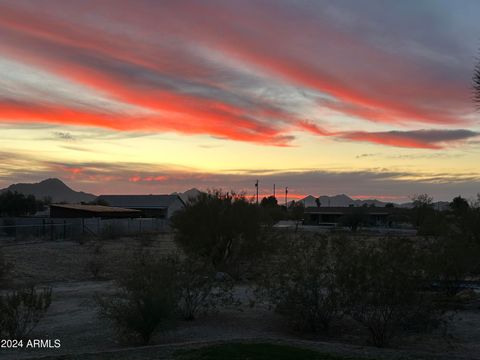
157	71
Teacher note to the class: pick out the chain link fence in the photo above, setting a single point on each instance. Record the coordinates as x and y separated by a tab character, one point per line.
55	229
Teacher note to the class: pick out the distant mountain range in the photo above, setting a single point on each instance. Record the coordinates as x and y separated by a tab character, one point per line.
58	191
54	189
339	200
344	200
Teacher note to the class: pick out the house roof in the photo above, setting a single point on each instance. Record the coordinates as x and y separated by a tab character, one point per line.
94	208
140	201
351	209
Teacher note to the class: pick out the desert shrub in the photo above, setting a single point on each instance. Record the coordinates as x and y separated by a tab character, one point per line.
9	227
302	284
354	219
21	310
5	266
146	298
222	228
110	231
96	261
146	238
200	289
386	286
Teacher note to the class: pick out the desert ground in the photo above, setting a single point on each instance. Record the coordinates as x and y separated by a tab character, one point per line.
73	316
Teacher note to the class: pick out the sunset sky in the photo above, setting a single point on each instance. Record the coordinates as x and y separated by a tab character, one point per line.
367	98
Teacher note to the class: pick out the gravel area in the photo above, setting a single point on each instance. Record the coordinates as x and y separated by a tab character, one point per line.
73	319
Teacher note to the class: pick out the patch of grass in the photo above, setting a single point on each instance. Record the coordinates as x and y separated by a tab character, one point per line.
253	352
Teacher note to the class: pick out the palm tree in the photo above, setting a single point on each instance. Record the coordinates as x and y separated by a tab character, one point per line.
476	84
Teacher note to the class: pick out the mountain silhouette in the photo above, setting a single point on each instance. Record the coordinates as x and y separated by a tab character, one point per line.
341	200
51	188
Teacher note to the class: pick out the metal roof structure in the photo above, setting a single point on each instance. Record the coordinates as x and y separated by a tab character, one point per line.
95	208
140	201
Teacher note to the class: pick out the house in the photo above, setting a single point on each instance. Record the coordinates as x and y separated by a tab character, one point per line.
156	206
372	216
91	211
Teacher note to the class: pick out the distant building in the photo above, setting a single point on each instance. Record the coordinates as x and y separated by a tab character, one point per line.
372	216
157	206
91	211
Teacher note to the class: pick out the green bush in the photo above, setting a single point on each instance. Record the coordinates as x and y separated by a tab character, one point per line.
21	310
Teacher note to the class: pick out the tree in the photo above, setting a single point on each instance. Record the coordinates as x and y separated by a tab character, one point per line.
17	204
476	84
269	202
459	205
422	208
223	228
271	211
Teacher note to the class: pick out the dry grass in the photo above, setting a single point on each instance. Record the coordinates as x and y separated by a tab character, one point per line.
66	261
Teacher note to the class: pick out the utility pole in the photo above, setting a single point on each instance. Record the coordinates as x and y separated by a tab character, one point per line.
273	190
286	195
256	185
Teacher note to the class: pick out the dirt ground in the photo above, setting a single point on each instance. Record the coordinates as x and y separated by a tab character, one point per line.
73	318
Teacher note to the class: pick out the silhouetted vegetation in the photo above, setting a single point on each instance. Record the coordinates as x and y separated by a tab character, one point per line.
476	84
223	228
5	267
145	301
385	282
356	218
21	310
97	261
271	211
302	284
200	289
16	204
154	291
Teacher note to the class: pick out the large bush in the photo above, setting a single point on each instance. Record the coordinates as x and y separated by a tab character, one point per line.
222	228
154	291
21	310
301	282
145	301
200	289
387	286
